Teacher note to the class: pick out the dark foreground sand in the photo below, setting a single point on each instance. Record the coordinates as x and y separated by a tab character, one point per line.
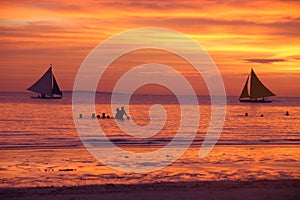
258	189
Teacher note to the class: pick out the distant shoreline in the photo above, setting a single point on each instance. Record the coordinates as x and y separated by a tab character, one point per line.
145	94
224	189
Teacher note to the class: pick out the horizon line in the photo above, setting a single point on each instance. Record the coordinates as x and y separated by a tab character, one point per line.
103	92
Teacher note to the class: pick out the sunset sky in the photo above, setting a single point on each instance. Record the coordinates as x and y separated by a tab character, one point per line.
238	35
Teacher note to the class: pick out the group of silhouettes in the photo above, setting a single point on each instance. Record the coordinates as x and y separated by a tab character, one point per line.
119	115
286	114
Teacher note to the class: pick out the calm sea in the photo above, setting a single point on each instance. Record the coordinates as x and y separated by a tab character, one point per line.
39	144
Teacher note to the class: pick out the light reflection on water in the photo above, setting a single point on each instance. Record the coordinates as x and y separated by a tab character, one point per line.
40	147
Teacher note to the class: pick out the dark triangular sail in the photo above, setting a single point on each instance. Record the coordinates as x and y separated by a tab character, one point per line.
257	88
56	89
44	84
245	93
47	86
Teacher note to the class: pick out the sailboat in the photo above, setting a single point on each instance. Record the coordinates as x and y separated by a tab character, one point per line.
47	86
258	92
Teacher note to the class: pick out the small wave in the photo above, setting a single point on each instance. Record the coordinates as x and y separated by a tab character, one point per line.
286	160
18	134
31	147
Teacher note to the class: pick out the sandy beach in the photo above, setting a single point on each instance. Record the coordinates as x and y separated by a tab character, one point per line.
256	189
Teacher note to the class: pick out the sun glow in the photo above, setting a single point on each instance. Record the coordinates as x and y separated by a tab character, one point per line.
237	35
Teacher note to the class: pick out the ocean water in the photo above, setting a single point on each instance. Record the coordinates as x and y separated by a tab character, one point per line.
39	144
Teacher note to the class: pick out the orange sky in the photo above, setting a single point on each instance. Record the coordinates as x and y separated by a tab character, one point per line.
238	35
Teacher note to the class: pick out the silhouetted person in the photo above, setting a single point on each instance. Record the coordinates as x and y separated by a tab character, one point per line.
287	113
122	113
246	114
108	117
261	115
93	115
103	116
98	116
117	116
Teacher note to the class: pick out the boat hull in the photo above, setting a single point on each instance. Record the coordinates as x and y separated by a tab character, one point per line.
45	97
256	100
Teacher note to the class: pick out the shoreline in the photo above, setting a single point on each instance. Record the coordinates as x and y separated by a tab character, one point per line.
223	189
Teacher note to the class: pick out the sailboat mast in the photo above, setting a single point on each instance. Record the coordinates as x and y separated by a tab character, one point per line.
51	80
55	87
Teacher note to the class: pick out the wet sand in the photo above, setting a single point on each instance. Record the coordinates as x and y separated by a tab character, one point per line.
256	189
